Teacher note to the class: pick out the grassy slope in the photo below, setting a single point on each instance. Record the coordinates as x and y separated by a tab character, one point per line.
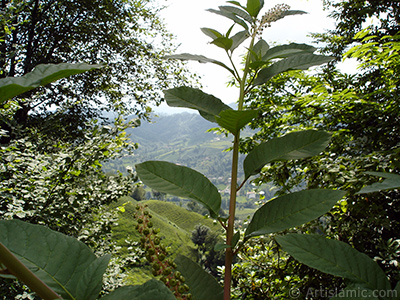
176	224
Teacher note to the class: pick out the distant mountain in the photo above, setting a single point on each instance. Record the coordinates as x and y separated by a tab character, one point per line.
168	129
183	139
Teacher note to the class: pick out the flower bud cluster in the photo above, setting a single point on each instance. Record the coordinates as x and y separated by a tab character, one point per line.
272	15
156	254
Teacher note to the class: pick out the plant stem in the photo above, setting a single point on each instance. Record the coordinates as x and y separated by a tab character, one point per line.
244	78
19	270
231	220
232	201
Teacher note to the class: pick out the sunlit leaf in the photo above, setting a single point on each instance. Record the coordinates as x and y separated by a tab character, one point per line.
253	7
295	145
292	210
392	181
234	120
336	258
297	62
208	105
180	181
223	42
40	76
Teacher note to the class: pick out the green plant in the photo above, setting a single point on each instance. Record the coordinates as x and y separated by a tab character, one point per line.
363	275
260	65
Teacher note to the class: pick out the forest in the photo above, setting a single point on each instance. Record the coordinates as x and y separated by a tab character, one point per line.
292	192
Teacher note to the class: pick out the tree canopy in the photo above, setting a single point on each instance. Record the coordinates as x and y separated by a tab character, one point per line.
352	16
127	36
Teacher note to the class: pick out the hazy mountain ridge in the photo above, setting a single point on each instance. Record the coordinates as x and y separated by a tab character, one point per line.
184	139
172	128
179	138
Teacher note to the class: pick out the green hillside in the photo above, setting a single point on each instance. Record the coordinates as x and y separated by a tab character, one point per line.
176	224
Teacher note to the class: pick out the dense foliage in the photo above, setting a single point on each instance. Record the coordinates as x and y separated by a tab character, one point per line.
352	16
64	187
363	112
56	138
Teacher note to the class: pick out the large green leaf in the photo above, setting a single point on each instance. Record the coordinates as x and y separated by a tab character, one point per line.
208	105
292	210
234	120
256	54
392	181
202	285
296	62
295	145
336	258
180	181
282	51
40	76
200	59
151	290
66	265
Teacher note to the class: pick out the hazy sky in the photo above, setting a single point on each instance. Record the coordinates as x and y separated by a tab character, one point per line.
184	18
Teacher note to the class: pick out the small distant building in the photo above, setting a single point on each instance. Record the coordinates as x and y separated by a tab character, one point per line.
251	195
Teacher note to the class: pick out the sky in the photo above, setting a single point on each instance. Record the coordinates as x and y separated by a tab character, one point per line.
184	18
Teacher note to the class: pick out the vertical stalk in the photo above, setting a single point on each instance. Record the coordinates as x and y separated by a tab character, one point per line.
233	191
231	220
20	271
